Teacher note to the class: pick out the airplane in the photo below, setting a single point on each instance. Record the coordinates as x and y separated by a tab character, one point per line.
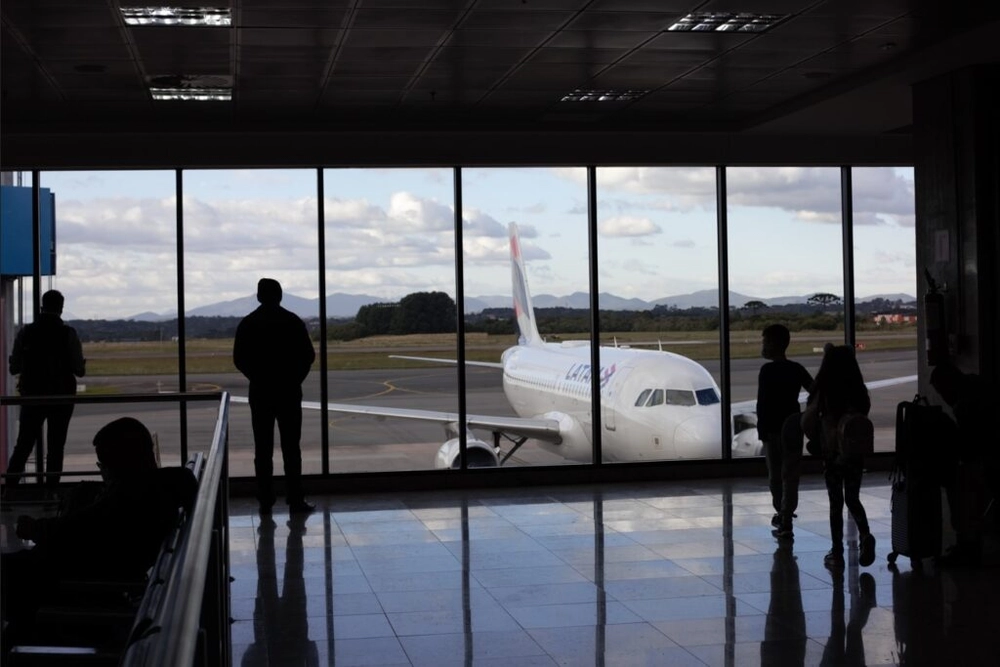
655	405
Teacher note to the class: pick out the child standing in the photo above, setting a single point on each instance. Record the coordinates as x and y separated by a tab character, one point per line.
840	390
778	386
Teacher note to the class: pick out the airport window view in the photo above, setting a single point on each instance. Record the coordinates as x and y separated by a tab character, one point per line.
382	251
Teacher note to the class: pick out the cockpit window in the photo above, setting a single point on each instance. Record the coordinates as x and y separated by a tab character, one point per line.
656	398
707	396
639	402
680	397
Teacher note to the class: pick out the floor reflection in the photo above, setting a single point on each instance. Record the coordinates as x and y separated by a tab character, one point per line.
286	643
845	645
645	574
785	628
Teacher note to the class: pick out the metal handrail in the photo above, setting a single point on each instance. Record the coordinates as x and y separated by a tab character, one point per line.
175	397
178	621
182	397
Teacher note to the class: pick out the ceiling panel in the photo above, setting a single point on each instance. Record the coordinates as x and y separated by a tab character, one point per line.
479	19
478	61
410	18
360	38
627	21
321	17
321	37
600	39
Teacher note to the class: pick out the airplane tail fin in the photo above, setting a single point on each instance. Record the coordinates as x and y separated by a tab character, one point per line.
523	309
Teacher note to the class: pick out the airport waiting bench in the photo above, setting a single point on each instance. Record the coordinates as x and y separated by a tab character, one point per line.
92	623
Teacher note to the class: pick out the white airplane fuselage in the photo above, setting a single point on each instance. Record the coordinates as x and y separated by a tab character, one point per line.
553	380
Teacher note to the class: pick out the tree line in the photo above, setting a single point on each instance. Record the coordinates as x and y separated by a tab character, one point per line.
436	312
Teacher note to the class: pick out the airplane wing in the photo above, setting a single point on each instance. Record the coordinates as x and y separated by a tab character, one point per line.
438	360
538	429
744	407
656	343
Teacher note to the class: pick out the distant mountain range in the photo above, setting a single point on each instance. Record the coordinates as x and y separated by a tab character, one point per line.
341	304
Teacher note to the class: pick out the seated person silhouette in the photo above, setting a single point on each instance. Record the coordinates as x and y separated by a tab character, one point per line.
115	537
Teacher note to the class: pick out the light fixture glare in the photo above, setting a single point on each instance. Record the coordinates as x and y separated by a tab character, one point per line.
181	16
192	94
726	22
581	95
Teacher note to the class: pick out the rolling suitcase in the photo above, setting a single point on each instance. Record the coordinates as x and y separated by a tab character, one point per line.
921	430
916	520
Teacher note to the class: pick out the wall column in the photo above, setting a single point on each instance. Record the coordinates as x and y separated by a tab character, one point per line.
957	180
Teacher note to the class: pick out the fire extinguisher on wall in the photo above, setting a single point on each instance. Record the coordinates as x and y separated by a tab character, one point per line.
936	341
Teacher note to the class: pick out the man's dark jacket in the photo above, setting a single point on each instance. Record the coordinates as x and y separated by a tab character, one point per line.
274	351
48	357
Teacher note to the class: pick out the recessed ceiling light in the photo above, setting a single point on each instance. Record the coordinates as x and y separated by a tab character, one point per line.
192	94
184	16
727	22
580	95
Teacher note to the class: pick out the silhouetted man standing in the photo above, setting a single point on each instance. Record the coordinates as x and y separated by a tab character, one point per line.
47	357
274	351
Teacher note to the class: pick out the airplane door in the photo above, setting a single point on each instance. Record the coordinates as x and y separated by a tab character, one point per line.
610	400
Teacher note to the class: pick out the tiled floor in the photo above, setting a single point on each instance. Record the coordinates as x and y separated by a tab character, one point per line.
645	574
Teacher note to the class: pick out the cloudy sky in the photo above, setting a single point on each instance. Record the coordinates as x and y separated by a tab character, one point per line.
389	233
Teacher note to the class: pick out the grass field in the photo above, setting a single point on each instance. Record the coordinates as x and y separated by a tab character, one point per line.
215	356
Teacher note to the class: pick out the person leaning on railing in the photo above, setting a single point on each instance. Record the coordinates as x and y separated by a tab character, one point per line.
116	537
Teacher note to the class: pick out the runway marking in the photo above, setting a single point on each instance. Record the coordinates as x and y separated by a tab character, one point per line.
390	387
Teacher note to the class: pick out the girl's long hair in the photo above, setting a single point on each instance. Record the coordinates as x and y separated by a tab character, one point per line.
839	386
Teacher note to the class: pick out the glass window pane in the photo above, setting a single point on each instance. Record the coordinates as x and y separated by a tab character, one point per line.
543	377
680	397
885	290
658	255
115	265
390	277
785	267
707	396
639	402
656	398
241	226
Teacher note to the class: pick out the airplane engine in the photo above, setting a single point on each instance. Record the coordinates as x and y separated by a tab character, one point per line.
478	454
576	443
745	440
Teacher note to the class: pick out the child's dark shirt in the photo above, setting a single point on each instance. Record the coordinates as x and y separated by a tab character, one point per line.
778	387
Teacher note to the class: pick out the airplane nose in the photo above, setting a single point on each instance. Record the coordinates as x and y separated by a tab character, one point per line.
699	438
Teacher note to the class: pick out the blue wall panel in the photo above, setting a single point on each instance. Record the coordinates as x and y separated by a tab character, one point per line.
15	231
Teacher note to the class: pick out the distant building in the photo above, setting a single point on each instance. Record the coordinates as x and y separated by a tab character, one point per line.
894	318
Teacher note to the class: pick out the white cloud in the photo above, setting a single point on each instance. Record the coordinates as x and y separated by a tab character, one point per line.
537	208
116	254
622	226
422	214
351	212
811	194
477	223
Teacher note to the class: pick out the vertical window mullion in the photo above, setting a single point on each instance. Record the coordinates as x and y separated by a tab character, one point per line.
597	457
460	319
324	397
722	222
847	228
